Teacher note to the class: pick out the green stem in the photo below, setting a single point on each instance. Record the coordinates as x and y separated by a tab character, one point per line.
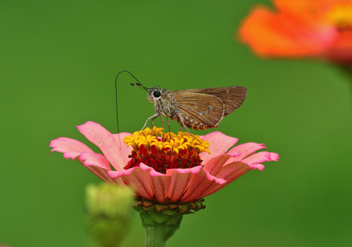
159	227
155	236
161	221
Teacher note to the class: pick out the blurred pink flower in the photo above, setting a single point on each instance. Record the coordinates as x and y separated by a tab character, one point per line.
301	28
168	185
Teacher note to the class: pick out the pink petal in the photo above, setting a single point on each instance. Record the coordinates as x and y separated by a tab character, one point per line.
198	184
103	174
160	181
138	178
245	149
274	157
229	173
260	167
94	159
218	144
74	149
254	160
267	156
214	165
125	151
69	147
179	181
98	135
232	171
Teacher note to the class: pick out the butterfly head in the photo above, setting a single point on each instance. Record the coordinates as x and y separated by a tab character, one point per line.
154	94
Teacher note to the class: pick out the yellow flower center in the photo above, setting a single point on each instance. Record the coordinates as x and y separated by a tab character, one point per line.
341	16
164	151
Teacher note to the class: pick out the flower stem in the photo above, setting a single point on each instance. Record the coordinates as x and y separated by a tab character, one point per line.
159	227
161	221
155	236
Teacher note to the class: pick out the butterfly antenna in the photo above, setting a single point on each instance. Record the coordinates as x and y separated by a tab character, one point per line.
138	84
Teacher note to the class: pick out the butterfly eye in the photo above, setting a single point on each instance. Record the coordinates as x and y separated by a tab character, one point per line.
157	93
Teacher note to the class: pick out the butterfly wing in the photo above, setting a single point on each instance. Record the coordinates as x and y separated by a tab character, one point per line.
232	97
198	110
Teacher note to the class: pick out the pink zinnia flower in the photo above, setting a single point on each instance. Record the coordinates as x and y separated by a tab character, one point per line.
164	168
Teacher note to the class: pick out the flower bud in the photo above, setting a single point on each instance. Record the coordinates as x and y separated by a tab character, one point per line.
108	212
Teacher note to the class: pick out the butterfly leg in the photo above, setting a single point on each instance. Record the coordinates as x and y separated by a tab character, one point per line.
155	118
182	128
183	125
150	118
168	125
162	123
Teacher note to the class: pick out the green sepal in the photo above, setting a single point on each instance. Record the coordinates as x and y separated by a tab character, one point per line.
169	209
161	221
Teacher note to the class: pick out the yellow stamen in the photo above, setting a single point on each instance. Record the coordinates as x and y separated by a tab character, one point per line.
163	151
153	137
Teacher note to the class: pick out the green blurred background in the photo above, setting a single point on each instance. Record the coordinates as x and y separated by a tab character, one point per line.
58	64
